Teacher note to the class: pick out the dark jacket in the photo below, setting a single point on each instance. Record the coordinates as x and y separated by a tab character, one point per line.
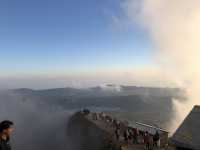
156	137
4	144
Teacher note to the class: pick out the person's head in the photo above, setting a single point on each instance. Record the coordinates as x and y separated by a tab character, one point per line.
6	127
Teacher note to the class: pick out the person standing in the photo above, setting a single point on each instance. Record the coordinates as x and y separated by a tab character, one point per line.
156	140
147	140
117	133
6	128
135	135
126	135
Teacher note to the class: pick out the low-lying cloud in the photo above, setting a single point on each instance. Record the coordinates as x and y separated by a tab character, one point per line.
37	127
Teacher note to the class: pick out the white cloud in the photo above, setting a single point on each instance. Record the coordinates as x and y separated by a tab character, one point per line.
174	28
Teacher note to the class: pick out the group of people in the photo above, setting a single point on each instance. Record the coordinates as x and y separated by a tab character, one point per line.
6	128
152	141
129	134
135	136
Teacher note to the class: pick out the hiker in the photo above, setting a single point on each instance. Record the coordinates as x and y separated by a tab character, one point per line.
156	140
86	112
130	134
117	133
147	140
6	128
110	145
135	135
114	123
102	116
108	118
126	135
94	116
150	142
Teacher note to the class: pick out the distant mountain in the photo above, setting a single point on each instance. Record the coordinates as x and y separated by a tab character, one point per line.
105	90
23	90
145	104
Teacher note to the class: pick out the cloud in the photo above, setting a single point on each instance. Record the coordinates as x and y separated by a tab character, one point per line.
37	127
174	29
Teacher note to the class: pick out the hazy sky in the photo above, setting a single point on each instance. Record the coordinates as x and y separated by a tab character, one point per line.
62	37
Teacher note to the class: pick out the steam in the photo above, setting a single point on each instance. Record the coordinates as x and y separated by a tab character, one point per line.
174	27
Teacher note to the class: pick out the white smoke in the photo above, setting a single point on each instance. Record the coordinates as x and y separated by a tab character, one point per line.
174	26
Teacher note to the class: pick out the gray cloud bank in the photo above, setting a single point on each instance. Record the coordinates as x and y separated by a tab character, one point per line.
37	127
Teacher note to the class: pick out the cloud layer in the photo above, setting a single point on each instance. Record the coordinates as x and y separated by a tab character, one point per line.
37	127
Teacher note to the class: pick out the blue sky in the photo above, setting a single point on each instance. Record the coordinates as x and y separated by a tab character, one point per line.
68	37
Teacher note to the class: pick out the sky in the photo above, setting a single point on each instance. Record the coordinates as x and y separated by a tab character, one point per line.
68	38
